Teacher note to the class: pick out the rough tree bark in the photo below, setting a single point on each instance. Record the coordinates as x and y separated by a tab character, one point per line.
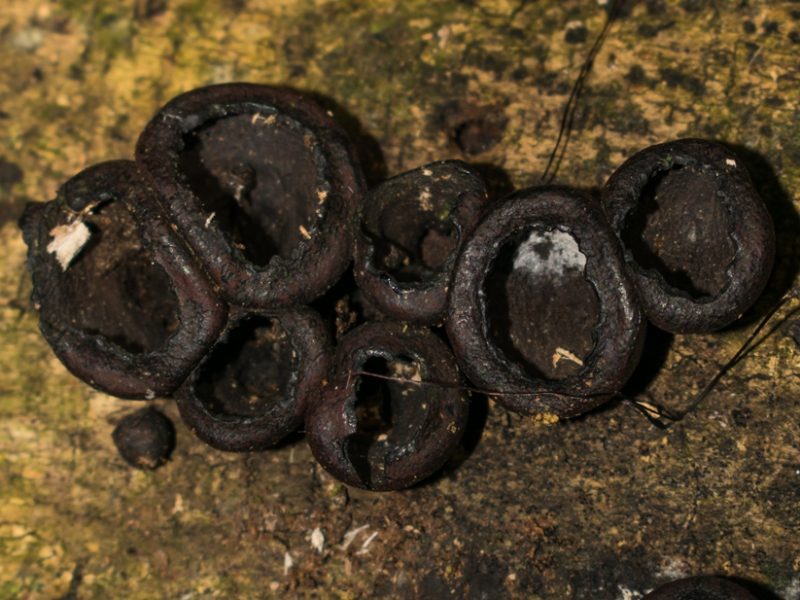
602	507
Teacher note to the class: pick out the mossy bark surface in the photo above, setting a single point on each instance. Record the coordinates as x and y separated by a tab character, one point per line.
603	507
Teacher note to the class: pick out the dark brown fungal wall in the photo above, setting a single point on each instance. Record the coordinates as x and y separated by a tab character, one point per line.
600	507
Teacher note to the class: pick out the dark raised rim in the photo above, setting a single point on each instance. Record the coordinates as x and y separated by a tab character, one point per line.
317	262
752	233
618	336
420	302
91	357
308	337
331	417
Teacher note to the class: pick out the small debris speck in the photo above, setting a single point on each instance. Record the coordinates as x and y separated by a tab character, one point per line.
288	563
318	540
576	33
365	546
68	240
351	535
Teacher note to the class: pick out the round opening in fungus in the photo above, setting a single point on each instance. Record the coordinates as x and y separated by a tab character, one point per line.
374	425
113	289
252	390
541	310
681	229
260	176
412	236
264	187
120	299
699	242
251	374
389	415
412	229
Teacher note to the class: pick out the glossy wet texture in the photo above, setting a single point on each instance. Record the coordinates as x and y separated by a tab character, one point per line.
121	301
541	488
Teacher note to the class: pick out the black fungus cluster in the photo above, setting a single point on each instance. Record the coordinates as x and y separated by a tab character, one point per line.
240	265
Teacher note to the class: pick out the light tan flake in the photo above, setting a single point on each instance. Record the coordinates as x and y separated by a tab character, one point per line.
68	241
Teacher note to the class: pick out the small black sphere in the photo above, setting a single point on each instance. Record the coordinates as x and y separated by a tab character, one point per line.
145	439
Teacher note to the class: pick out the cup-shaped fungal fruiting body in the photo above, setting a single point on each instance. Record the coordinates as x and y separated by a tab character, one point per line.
251	391
120	299
541	309
412	228
697	239
262	184
392	412
701	588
